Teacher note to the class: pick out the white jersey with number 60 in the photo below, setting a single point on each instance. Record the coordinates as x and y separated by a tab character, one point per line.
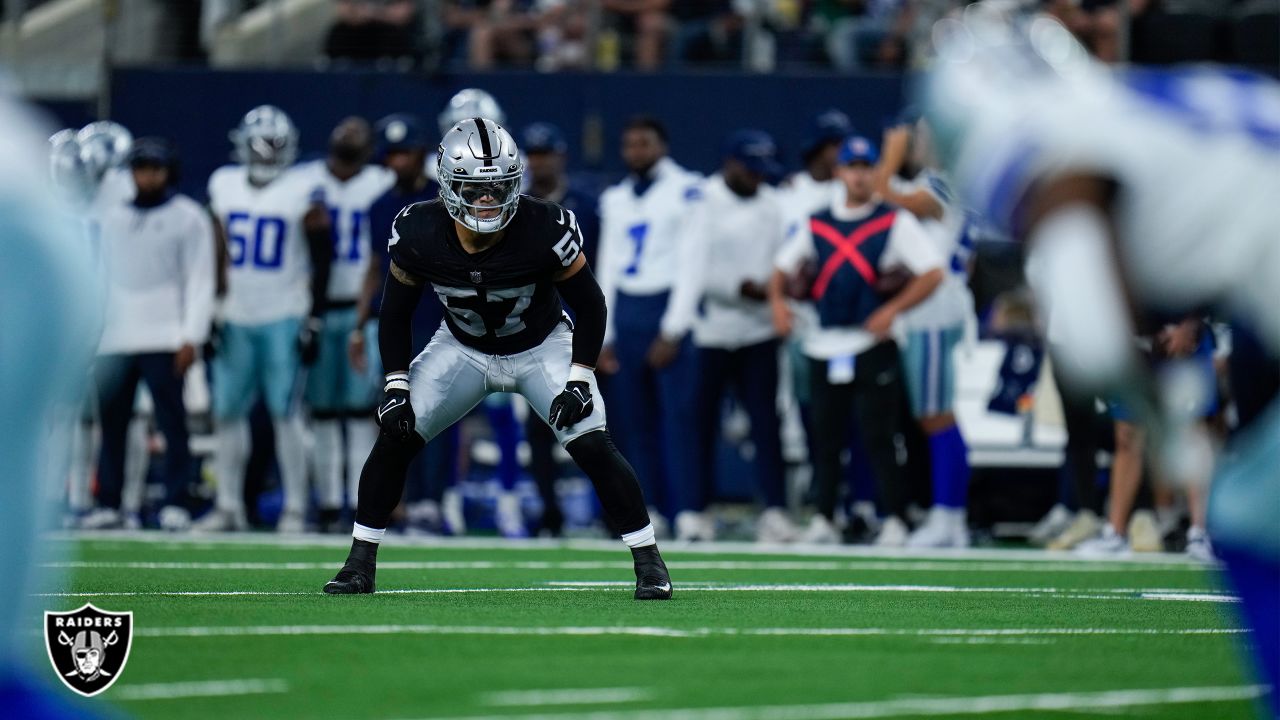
269	268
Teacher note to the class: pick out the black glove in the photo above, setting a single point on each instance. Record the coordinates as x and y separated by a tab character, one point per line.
309	340
572	405
213	345
395	413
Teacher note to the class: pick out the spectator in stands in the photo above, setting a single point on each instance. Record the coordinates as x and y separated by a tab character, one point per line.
739	225
563	35
855	364
645	24
706	32
369	30
868	33
158	252
498	32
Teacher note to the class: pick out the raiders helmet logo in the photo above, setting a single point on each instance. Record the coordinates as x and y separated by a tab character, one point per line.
88	647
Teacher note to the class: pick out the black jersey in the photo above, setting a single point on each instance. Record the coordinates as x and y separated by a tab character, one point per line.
502	300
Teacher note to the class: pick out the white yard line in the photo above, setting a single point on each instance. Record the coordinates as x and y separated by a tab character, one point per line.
936	706
668	632
1189	596
169	541
1165	594
203	688
905	565
583	696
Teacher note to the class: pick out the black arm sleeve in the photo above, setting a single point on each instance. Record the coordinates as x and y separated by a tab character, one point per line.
320	245
395	326
583	294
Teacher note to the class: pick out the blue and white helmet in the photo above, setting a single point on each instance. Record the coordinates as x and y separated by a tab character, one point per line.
266	142
470	103
104	145
479	159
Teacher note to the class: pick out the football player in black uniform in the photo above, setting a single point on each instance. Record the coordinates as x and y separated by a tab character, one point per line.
499	261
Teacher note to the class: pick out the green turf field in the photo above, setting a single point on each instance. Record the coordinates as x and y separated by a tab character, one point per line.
241	630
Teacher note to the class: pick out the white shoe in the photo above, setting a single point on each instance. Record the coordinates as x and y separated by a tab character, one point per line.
175	519
132	521
661	528
775	526
220	521
1085	526
291	523
893	533
424	518
1198	545
455	523
1108	543
1144	535
944	528
509	518
820	531
1051	525
692	526
102	519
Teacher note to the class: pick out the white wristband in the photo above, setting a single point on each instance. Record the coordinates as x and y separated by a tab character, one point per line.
577	373
397	381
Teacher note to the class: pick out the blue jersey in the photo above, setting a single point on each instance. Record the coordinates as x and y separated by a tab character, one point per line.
587	207
429	315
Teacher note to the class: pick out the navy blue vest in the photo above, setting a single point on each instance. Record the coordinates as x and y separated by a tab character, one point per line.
848	257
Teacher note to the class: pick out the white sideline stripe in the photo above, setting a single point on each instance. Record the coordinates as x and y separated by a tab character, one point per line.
991	641
1190	597
589	586
907	565
921	706
641	631
584	696
206	688
167	541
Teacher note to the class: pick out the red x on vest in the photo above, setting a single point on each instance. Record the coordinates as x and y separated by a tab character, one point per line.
847	250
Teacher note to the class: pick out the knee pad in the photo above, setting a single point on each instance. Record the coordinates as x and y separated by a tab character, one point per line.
597	444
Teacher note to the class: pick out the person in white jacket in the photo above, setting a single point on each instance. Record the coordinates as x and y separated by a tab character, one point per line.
158	255
738	228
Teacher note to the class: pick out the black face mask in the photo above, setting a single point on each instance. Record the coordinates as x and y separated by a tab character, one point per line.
347	153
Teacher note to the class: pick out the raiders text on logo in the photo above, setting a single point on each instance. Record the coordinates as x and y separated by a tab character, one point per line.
88	647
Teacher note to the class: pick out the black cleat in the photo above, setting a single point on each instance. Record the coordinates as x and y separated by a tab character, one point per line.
356	576
349	581
652	580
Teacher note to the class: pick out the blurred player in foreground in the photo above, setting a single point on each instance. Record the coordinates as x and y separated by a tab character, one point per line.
499	261
45	351
1136	192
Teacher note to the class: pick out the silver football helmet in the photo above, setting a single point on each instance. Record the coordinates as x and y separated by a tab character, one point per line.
104	145
266	142
67	169
479	170
470	103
